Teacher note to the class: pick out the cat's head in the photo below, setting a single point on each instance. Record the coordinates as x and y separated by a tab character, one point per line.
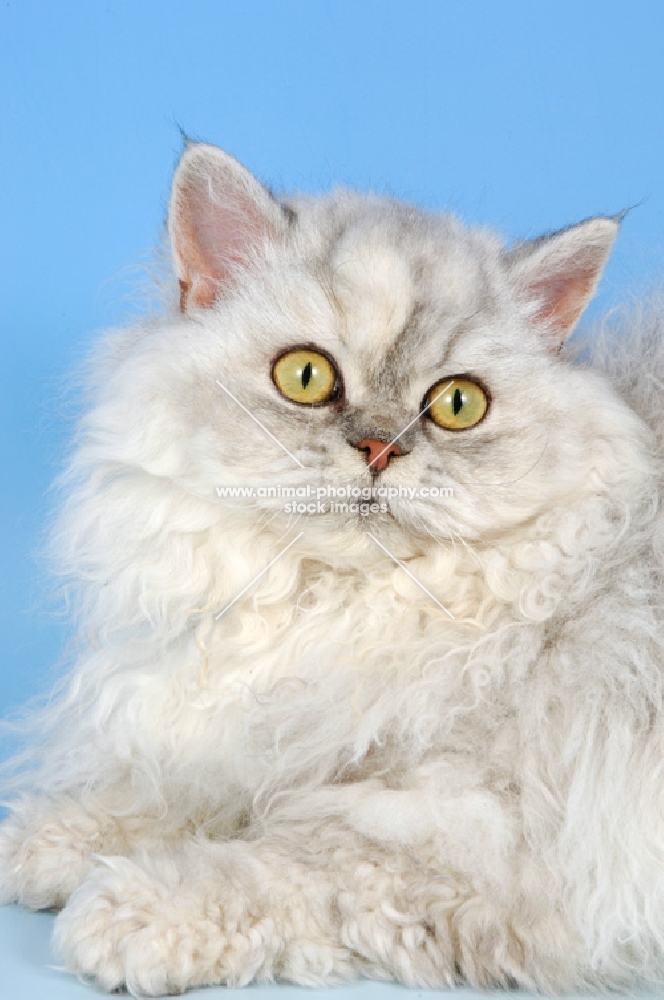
353	340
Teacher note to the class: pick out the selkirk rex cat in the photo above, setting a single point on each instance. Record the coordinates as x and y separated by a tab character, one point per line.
418	736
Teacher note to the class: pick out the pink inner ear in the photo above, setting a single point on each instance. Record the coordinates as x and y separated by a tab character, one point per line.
562	297
211	245
558	273
217	219
197	286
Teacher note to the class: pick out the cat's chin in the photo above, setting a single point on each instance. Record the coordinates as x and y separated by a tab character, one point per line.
403	533
391	519
350	523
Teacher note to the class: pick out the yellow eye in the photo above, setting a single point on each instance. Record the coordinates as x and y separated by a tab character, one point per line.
305	376
456	403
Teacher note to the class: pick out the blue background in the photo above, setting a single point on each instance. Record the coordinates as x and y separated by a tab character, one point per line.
523	115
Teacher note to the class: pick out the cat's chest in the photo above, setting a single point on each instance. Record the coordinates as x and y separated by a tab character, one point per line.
361	635
358	642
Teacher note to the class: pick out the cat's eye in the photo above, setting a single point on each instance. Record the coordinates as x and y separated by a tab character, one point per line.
305	376
456	403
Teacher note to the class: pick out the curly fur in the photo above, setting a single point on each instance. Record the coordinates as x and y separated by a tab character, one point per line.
336	778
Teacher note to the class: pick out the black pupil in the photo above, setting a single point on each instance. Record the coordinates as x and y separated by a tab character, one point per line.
457	401
306	375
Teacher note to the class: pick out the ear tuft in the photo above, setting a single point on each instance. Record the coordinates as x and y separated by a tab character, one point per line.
219	216
559	273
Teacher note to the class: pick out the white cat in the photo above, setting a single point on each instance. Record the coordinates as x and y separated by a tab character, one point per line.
423	741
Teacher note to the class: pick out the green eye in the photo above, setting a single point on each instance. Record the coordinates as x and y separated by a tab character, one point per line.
305	377
456	403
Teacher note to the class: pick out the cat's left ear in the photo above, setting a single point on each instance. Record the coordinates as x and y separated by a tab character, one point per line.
220	216
559	273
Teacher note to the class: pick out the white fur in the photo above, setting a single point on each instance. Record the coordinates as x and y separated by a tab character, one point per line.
335	779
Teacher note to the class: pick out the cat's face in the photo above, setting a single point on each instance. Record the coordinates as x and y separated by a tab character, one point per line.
374	311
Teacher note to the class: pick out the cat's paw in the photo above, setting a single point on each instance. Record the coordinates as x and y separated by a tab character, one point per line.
45	852
125	927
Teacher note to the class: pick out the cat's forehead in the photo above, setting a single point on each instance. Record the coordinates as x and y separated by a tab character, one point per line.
389	270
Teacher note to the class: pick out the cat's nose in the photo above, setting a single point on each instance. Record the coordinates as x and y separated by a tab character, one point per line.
378	452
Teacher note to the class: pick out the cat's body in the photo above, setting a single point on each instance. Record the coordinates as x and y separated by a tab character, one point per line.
441	771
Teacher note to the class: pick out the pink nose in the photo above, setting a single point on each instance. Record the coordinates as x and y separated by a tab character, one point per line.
378	452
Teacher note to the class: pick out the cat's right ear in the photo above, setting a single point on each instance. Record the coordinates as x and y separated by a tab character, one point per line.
219	216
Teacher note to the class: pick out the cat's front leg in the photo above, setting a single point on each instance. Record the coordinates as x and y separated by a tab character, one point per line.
312	904
47	846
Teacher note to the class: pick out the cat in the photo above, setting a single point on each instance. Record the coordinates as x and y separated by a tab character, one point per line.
415	737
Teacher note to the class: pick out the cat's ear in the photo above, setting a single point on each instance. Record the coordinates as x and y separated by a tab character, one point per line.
219	216
559	273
